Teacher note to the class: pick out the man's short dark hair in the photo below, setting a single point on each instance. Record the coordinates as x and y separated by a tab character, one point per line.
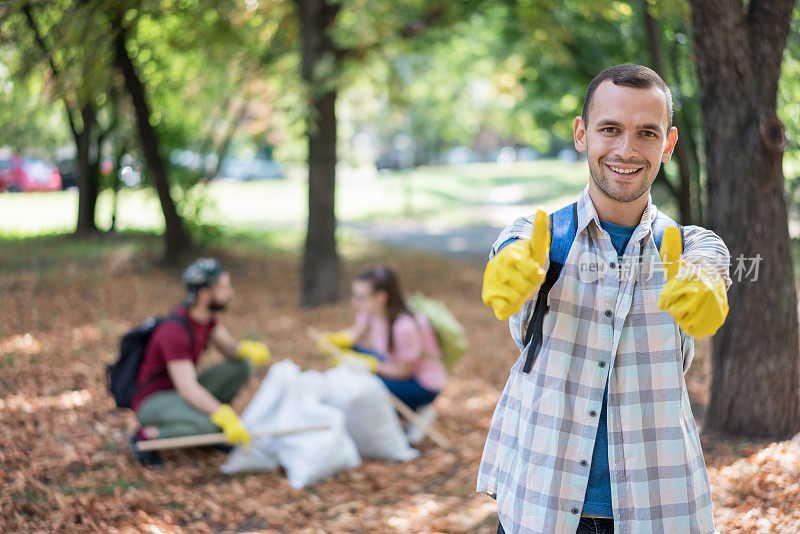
628	75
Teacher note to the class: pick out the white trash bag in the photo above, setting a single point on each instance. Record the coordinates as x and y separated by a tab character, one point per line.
289	399
258	417
370	417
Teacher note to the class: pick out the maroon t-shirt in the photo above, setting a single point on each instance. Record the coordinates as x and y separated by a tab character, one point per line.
170	341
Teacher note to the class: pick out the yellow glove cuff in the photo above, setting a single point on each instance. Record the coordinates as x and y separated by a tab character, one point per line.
696	298
255	351
360	360
225	418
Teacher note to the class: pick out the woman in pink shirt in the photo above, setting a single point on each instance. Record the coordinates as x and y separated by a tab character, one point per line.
397	344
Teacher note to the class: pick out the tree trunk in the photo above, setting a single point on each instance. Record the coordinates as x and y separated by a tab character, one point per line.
322	270
755	388
88	176
177	239
87	182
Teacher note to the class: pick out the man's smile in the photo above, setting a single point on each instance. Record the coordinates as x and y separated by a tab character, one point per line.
624	172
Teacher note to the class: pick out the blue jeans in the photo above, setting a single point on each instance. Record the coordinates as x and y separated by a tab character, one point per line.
409	391
587	525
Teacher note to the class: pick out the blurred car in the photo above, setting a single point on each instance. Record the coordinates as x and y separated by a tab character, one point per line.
388	161
8	174
253	169
23	174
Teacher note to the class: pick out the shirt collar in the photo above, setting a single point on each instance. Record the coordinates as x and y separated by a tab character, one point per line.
587	213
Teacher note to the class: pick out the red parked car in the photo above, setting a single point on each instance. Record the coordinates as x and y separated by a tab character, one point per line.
23	174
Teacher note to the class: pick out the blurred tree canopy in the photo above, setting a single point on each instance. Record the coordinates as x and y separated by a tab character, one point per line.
204	76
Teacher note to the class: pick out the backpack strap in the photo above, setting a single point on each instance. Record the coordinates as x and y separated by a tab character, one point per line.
660	224
563	224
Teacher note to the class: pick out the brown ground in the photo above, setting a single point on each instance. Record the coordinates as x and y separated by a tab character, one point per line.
63	445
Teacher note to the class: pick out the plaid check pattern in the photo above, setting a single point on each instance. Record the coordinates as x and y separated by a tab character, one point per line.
537	456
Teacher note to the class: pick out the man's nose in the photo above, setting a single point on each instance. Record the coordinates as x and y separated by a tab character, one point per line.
625	146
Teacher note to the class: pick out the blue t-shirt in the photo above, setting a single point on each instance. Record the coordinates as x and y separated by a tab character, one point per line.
598	492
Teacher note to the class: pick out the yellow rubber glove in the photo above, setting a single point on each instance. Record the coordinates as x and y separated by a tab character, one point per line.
255	351
341	339
512	276
358	360
693	295
225	418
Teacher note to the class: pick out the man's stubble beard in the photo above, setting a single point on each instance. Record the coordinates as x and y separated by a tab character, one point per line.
602	184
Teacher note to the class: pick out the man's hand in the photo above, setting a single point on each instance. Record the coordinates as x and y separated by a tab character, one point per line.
255	351
225	418
693	295
341	339
512	276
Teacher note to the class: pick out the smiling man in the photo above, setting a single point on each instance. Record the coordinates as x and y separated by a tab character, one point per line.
594	431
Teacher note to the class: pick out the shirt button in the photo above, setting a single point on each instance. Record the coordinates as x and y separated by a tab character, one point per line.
608	313
584	463
593	413
612	265
574	511
602	364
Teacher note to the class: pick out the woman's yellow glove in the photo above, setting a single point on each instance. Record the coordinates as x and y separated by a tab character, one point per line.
255	351
341	339
693	295
358	360
517	271
225	418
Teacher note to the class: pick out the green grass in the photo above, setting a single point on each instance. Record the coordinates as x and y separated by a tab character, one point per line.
460	193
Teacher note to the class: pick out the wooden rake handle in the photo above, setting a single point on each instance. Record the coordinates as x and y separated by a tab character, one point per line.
216	438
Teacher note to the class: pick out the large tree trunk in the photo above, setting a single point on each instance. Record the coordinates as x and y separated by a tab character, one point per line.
756	377
322	271
177	239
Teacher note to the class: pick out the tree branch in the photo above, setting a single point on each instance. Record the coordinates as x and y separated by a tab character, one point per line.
26	8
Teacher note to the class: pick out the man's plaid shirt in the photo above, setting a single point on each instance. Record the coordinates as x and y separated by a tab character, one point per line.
538	452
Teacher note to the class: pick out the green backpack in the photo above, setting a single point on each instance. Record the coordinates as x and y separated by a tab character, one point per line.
449	332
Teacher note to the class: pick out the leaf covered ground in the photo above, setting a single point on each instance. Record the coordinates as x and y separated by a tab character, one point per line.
63	445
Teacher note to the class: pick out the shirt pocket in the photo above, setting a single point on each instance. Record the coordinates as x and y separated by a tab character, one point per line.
654	331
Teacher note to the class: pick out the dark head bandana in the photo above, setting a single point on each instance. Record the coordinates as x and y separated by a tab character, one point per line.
202	273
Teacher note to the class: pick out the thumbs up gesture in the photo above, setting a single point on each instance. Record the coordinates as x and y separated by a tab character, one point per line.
693	295
517	271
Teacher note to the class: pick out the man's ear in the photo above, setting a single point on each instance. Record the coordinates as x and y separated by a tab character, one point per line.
579	134
672	140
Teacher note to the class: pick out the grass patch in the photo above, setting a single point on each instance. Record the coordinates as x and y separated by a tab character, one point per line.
282	205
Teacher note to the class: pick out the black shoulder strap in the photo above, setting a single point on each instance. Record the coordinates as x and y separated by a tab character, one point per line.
563	224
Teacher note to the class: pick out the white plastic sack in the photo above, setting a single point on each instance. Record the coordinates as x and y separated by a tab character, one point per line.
258	416
290	399
370	417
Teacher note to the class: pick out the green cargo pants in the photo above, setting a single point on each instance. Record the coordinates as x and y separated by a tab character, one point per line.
173	416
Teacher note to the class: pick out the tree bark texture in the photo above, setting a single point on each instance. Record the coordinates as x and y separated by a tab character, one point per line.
755	357
322	271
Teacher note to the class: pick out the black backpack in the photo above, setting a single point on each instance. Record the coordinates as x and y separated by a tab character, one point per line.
122	374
